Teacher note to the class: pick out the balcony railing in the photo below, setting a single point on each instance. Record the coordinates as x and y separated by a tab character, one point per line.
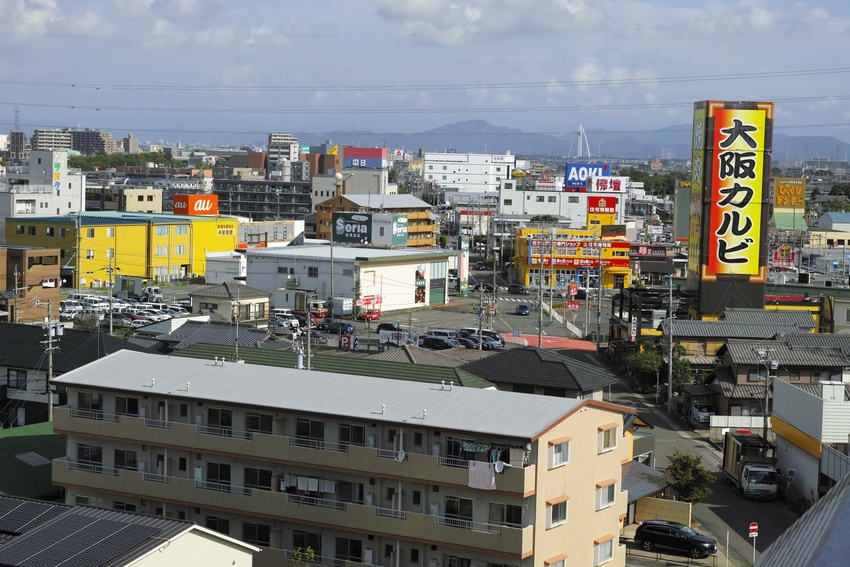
454	462
224	432
468	525
390	513
318	444
157	424
96	415
151	477
316	560
390	454
223	487
320	502
95	468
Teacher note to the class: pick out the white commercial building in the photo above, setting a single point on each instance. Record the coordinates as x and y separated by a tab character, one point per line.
281	148
467	172
354	182
573	206
394	279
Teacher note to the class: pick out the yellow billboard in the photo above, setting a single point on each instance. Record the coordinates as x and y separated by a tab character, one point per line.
789	193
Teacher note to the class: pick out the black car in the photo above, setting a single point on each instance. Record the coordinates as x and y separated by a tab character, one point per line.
394	327
518	289
671	535
523	309
438	343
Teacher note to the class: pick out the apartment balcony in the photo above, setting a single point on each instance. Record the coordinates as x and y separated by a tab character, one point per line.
296	508
416	467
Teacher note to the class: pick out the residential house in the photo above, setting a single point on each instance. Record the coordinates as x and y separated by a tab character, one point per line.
234	301
359	469
32	281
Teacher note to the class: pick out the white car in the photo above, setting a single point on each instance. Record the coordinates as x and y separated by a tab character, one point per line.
701	411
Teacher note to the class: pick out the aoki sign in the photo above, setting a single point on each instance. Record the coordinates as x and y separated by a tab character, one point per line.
196	204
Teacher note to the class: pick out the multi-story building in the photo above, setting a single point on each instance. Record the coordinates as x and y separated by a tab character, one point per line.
348	469
91	141
18	150
421	223
128	198
32	281
155	247
131	144
281	148
263	200
47	139
43	186
466	172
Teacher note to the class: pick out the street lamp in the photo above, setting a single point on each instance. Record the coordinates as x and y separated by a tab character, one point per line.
765	356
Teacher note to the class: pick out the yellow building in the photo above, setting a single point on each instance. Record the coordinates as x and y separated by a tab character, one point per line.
569	256
156	247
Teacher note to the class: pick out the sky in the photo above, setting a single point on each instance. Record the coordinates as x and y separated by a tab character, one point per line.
198	70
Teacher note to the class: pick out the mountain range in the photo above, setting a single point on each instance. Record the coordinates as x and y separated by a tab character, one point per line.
479	136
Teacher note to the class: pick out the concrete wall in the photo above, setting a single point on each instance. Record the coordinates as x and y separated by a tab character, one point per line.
660	509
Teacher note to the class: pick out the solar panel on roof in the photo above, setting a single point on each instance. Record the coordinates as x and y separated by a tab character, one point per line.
19	516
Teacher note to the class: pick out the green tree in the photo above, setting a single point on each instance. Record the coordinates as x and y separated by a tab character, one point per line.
644	365
443	240
544	218
837	205
681	368
303	557
688	477
357	291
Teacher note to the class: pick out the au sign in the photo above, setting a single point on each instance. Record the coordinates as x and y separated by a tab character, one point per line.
196	204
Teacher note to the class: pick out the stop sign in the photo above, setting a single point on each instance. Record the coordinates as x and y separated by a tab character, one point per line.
754	528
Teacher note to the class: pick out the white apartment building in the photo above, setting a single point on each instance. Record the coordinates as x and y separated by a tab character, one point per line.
466	172
281	148
362	471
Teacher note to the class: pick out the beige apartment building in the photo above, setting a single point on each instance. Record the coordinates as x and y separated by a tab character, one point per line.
360	470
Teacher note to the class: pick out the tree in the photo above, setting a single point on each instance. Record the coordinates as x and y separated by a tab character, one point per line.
688	477
544	218
644	365
681	368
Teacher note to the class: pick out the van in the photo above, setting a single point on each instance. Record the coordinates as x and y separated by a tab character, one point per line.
441	334
489	333
280	312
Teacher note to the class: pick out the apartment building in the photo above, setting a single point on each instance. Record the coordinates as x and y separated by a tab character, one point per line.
466	172
349	470
281	148
421	222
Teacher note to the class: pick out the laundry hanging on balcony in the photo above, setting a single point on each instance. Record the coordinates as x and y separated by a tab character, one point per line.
482	475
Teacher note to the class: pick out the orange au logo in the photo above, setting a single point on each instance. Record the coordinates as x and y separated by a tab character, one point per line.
196	204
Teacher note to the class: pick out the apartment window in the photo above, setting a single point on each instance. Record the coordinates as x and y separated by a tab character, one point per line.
559	452
181	229
181	464
557	561
508	202
162	230
184	410
444	178
221	418
350	492
126	406
417	439
417	498
505	514
605	493
456	561
258	478
556	512
162	250
126	460
31	230
607	437
349	549
312	272
258	534
16	379
540	199
219	473
454	447
551	199
460	511
110	232
123	506
50	231
310	429
303	540
352	434
89	454
89	233
261	422
180	249
140	198
110	253
87	401
63	232
414	555
220	525
150	198
603	550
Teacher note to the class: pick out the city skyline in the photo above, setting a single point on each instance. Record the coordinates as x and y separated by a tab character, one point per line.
191	70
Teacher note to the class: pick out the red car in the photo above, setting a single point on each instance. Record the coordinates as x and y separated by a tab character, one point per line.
370	315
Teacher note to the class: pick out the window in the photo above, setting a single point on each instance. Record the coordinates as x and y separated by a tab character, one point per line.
508	202
220	525
551	199
123	506
181	464
219	473
795	375
19	229
89	454
540	199
210	306
417	439
258	478
756	375
63	232
607	437
572	199
350	492
110	232
16	379
150	198
352	434
414	555
312	272
162	230
221	418
184	410
50	231
180	249
82	500
89	233
455	561
603	550
505	514
181	229
417	498
459	512
557	561
162	250
454	447
126	406
556	511
303	540
605	492
388	550
89	254
349	549
110	253
87	401
140	198
559	452
261	422
125	459
258	534
310	429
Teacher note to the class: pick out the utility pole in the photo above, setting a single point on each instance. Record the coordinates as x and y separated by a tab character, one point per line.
16	294
540	289
53	329
670	406
599	302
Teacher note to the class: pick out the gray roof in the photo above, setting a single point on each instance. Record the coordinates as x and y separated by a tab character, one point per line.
483	411
818	537
819	340
802	319
642	480
744	352
727	329
243	292
382	201
192	332
416	355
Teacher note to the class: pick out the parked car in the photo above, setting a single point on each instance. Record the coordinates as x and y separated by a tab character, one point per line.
468	342
480	266
523	309
439	343
671	535
518	289
701	411
337	327
369	315
318	337
394	327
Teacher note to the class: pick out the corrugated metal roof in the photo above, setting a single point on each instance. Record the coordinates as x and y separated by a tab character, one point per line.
509	414
642	480
802	319
383	201
415	355
343	364
818	537
244	292
683	328
224	334
744	352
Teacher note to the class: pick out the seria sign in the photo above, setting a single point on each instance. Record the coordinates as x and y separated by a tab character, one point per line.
352	228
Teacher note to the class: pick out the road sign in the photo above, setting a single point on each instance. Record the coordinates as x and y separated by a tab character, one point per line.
573	305
754	528
573	289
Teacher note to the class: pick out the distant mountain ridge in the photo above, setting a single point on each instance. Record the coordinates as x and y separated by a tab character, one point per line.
479	136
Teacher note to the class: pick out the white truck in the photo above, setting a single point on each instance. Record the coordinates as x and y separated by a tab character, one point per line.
136	288
748	463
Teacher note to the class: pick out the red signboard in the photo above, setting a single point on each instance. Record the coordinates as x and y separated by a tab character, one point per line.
573	289
573	305
601	205
754	527
196	204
